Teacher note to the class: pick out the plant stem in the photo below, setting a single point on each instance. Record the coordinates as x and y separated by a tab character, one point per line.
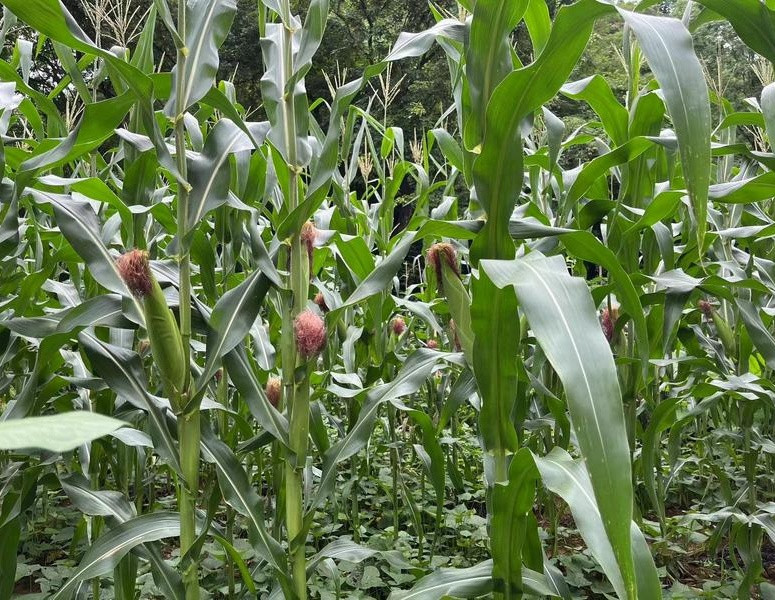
189	437
298	391
188	424
354	505
393	467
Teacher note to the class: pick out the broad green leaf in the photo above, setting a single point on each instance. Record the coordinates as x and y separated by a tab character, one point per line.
382	275
104	555
488	57
122	370
518	95
287	110
209	172
207	24
103	503
435	455
263	412
242	497
57	433
569	480
744	191
449	147
311	37
96	125
511	503
563	319
595	168
9	545
767	103
753	20
81	227
539	24
471	582
99	310
667	45
759	332
231	320
460	308
415	371
662	418
584	245
495	323
409	45
51	18
113	504
595	91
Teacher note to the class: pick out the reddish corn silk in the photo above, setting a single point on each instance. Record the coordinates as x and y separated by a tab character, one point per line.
398	325
310	332
320	301
143	347
608	320
308	235
218	375
432	344
443	251
135	270
706	308
274	391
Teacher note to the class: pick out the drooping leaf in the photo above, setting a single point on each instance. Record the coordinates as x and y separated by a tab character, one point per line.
569	480
106	552
207	24
667	45
57	433
563	318
122	371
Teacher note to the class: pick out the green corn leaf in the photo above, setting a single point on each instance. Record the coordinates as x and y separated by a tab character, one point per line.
662	418
123	372
409	45
105	554
539	24
207	24
667	45
209	172
759	332
51	18
459	307
56	433
563	319
488	57
569	480
382	275
243	498
754	22
415	371
512	501
595	91
9	545
112	504
81	227
245	381
231	320
471	582
495	322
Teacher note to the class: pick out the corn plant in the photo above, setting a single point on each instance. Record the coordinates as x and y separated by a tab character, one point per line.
295	357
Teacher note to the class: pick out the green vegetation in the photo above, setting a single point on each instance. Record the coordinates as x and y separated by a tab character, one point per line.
362	299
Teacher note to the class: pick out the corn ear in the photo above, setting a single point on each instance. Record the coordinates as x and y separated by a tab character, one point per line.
725	334
166	342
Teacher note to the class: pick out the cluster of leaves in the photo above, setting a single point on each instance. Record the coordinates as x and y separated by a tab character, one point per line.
535	380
